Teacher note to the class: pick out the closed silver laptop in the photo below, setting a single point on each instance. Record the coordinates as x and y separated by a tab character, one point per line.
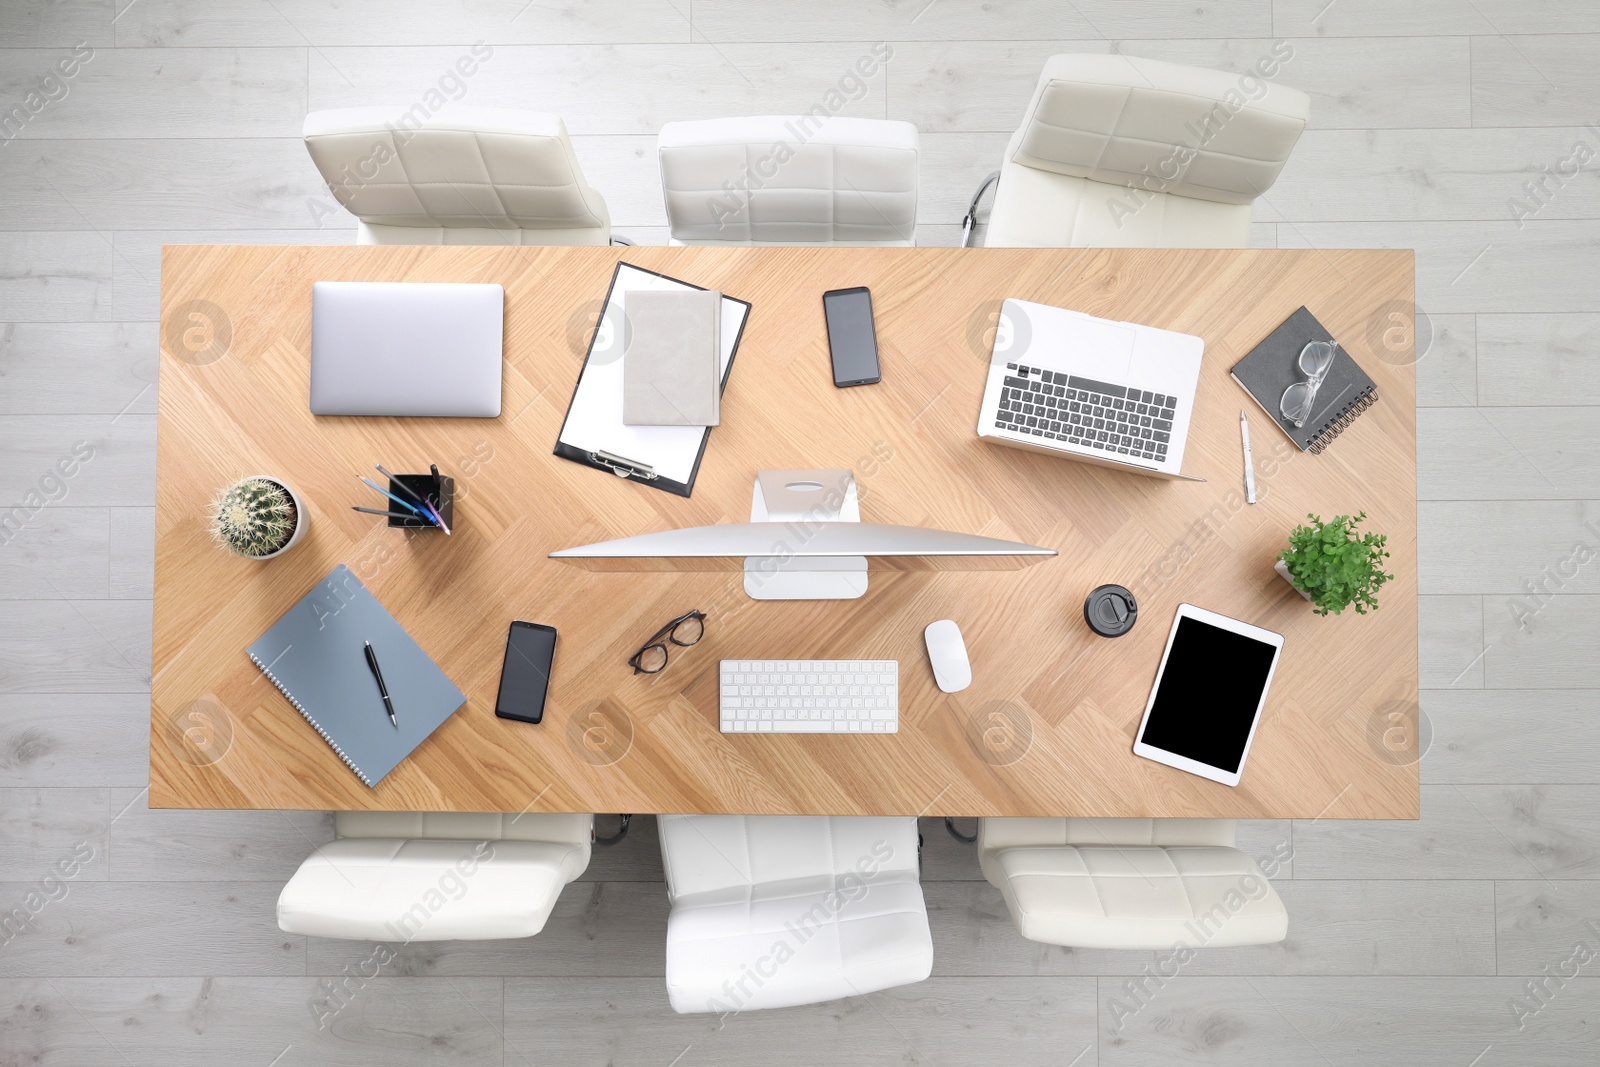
406	348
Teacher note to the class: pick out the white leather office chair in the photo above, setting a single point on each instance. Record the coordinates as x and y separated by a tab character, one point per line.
1130	883
1196	145
790	179
403	876
773	911
467	176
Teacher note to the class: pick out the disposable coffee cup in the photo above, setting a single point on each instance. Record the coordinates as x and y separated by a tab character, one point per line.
1110	611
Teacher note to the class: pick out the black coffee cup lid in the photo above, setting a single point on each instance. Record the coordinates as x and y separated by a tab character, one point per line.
1110	611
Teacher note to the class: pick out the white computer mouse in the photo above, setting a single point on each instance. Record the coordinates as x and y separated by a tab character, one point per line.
948	654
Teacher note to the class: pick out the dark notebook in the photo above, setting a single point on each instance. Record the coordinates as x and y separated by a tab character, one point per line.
1274	365
316	655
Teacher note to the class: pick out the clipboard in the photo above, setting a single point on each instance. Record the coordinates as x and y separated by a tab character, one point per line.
592	431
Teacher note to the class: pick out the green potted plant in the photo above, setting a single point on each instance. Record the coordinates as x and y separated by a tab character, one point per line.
258	517
1334	566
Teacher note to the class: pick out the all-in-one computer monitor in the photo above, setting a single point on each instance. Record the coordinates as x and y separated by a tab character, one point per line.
806	543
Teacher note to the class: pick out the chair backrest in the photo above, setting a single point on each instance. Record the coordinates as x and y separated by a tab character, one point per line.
495	170
994	834
465	826
1165	128
800	179
704	853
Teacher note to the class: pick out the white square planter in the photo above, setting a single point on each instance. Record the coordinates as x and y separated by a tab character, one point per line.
1283	572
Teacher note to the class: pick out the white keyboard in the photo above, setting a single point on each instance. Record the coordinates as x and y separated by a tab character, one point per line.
810	696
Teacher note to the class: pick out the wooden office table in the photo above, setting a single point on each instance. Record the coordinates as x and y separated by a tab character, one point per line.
1047	725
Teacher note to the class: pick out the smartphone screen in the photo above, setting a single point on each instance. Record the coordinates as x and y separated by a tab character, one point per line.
525	675
852	341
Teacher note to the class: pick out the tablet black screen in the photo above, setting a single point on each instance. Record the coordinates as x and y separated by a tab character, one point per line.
1208	694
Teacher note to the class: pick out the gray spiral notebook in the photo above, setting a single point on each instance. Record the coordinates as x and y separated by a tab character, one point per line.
1272	366
316	656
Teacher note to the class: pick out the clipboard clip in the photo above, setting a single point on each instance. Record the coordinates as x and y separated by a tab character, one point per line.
623	467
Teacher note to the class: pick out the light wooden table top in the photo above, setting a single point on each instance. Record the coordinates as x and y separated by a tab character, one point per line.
1046	727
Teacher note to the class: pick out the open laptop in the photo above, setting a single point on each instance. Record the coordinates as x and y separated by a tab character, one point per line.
1111	393
406	348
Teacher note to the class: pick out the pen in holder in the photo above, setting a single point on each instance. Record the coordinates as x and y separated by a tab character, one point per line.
442	496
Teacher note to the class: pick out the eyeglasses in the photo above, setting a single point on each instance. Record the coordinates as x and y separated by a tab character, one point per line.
1316	359
683	631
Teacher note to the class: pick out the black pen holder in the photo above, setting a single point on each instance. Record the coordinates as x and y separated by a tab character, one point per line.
443	499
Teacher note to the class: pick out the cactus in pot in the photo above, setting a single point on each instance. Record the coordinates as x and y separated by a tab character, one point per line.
257	517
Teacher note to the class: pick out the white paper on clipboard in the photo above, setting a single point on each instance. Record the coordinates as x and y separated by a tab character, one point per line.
594	419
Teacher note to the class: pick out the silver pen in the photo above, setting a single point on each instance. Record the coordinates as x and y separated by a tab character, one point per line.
1249	463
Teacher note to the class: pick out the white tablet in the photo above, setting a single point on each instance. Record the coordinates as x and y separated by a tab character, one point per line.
1208	695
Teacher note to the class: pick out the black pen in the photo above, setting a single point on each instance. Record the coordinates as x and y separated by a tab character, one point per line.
437	501
372	661
402	486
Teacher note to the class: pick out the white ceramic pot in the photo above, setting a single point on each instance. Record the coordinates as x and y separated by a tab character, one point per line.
302	517
1283	572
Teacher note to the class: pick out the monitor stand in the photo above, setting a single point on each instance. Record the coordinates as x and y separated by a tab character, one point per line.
801	499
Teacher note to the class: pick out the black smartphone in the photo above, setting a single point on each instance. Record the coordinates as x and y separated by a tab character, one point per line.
852	339
525	675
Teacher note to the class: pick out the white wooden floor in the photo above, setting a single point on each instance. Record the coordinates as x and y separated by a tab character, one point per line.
1408	943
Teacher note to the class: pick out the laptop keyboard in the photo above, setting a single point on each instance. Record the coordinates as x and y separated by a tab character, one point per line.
1081	411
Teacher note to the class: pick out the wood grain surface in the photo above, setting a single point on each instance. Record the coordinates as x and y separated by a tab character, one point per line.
1046	727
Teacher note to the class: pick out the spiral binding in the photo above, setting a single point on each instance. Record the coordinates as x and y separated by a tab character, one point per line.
314	724
1337	427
